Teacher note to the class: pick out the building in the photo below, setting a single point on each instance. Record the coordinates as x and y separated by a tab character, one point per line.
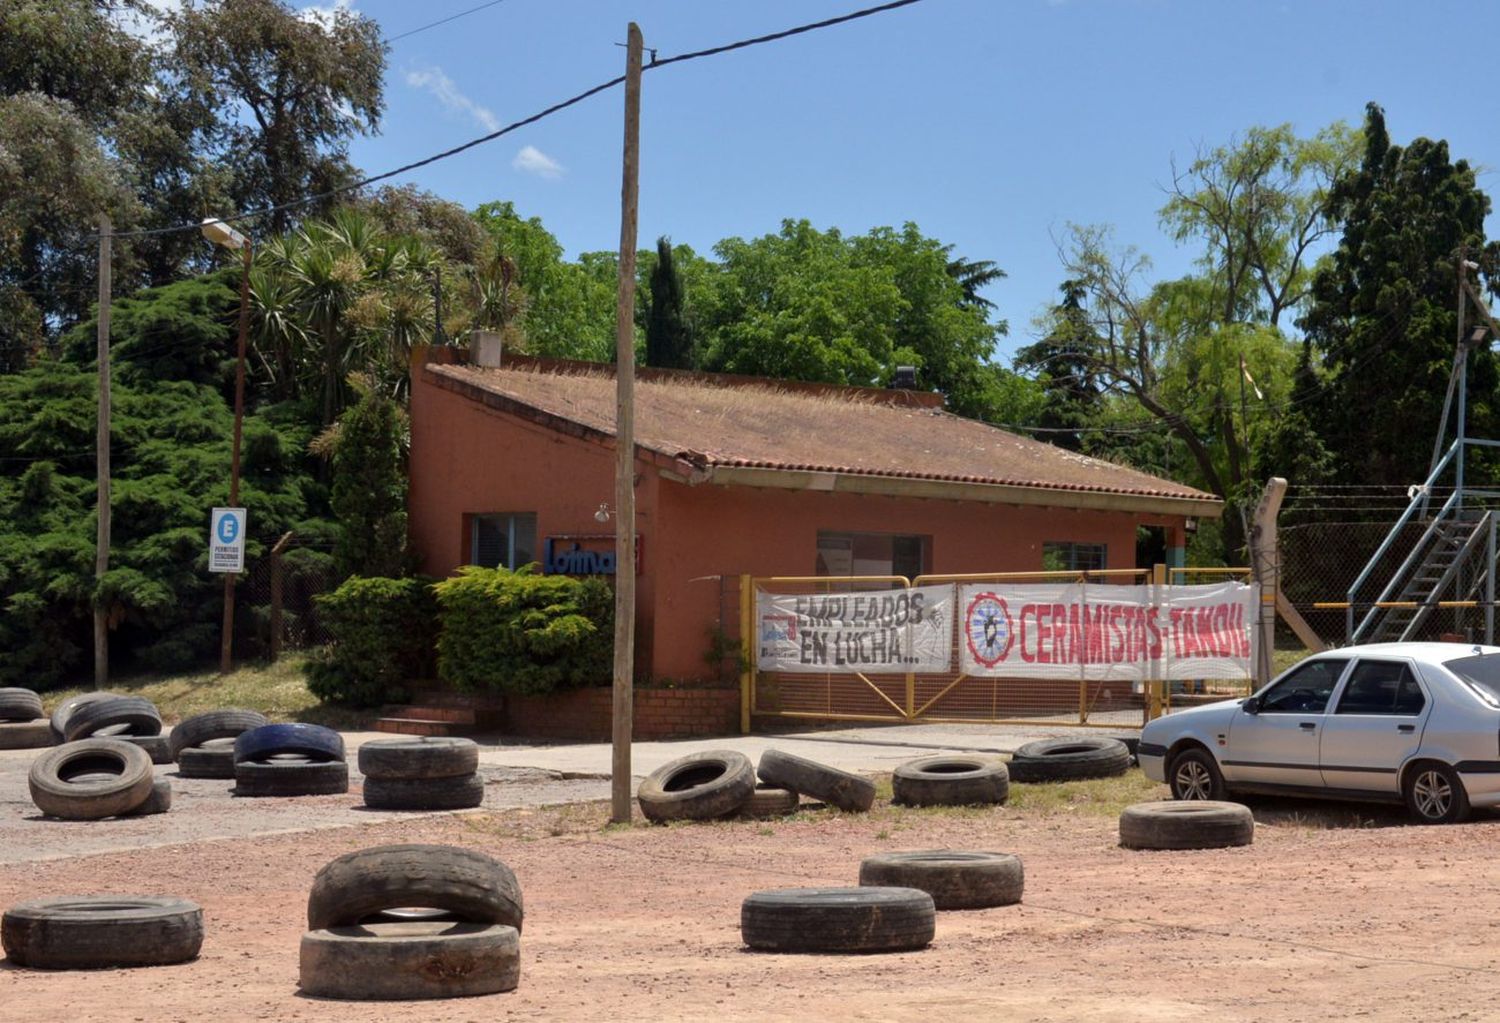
745	475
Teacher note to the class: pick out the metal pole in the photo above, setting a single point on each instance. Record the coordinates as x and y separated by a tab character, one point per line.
101	540
624	682
1489	583
226	649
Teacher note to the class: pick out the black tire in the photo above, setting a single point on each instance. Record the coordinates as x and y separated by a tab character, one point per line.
123	779
950	781
1194	774
313	741
838	920
206	762
156	746
26	734
160	800
955	880
358	886
420	959
1194	824
257	779
95	932
1069	759
119	715
698	787
769	801
19	704
229	723
63	711
416	757
1435	794
424	793
849	792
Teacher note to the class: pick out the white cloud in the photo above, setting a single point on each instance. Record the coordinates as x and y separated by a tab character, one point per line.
324	14
533	161
448	94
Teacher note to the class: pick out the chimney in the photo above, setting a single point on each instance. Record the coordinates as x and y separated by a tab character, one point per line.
905	378
485	346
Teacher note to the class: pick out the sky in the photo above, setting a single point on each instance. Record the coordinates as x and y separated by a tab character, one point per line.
991	124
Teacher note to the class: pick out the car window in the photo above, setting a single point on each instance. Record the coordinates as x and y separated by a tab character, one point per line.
1381	687
1482	672
1306	690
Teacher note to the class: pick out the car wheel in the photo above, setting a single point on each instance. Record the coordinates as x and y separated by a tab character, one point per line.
1435	794
1195	775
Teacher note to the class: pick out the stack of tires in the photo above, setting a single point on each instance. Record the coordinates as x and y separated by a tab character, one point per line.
421	773
412	921
131	719
290	760
101	932
94	778
22	725
722	783
203	745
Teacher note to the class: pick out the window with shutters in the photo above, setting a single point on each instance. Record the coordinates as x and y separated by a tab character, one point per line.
503	540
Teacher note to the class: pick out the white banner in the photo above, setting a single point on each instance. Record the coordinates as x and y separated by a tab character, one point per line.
1103	632
872	632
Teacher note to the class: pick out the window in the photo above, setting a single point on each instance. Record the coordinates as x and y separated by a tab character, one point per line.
1306	690
1066	556
1482	673
503	541
1381	687
871	554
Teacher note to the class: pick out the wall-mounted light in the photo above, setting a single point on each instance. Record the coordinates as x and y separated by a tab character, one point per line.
604	513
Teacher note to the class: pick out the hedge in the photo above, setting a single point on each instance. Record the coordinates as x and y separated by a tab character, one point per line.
383	633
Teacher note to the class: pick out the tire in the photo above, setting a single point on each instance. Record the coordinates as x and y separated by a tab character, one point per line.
420	959
26	734
417	757
19	705
118	715
955	880
206	762
313	741
1195	775
475	888
1435	793
1195	824
63	711
950	781
93	932
125	785
424	793
769	801
849	792
160	800
1069	759
156	746
698	787
291	778
214	724
838	920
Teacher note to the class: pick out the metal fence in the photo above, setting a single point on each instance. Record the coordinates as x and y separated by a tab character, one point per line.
275	608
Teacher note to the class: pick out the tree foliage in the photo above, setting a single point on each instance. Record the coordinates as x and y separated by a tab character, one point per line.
669	334
383	634
369	487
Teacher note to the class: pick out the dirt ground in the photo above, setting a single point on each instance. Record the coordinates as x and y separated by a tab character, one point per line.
1380	921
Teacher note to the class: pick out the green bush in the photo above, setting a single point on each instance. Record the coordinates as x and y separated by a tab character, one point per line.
383	636
520	632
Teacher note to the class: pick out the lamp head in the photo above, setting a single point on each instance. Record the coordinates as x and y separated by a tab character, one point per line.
220	233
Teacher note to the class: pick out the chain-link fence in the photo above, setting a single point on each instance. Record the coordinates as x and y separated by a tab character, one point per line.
276	612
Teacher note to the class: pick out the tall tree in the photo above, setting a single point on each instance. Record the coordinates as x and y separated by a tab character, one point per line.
369	487
1064	365
669	335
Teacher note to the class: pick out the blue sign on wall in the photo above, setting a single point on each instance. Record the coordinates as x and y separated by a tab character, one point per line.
583	554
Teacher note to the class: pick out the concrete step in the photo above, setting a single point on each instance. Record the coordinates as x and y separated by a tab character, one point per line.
422	726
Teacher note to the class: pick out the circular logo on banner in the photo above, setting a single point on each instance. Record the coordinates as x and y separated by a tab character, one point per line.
229	528
987	629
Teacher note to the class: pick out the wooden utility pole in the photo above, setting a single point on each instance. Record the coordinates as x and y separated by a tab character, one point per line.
226	648
624	707
101	540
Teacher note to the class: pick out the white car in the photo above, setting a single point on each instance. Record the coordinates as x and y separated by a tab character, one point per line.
1418	722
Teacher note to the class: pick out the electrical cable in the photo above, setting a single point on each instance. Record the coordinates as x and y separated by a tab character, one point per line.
443	21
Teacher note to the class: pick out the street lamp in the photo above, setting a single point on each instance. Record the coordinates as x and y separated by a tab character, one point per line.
221	233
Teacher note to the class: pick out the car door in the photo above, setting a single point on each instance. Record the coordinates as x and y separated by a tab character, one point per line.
1375	726
1278	743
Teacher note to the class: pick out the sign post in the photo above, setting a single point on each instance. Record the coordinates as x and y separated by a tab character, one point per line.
226	540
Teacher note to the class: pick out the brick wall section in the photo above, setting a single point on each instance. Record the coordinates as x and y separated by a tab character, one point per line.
659	714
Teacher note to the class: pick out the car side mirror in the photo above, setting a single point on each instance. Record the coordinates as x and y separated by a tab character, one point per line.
1252	705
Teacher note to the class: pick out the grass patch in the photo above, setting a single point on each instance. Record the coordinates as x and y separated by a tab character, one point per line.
1102	797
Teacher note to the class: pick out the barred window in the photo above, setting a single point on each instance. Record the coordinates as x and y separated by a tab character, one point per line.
1067	556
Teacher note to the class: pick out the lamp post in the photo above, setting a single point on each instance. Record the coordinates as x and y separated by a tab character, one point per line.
221	233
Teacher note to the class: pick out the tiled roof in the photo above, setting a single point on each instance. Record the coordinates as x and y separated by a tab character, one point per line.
762	426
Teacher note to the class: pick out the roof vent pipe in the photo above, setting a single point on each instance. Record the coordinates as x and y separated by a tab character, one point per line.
905	378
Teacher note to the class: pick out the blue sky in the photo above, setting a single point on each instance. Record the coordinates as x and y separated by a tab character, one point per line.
990	123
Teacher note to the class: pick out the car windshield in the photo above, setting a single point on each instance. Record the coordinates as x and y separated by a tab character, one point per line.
1482	672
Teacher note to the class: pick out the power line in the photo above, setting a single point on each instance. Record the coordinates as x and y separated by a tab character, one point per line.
444	21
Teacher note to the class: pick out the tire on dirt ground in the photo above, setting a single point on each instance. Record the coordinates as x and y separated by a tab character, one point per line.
117	716
120	779
358	886
256	779
769	801
1192	824
424	793
91	932
26	734
951	780
955	879
156	746
419	756
419	959
19	704
1069	760
160	800
838	920
312	741
63	711
849	792
228	723
206	762
698	787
